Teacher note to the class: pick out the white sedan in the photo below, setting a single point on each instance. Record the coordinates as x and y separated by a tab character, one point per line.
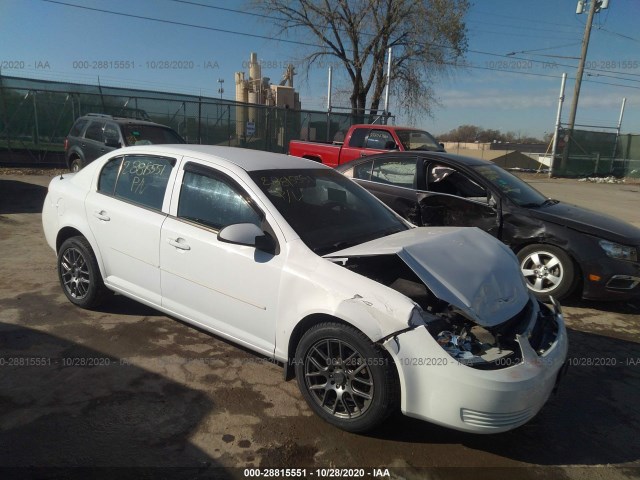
298	263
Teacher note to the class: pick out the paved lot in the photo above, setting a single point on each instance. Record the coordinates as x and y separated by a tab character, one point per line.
126	386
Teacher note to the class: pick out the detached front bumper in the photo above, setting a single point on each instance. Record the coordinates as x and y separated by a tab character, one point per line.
439	389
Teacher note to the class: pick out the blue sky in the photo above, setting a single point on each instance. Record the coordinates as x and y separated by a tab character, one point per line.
515	93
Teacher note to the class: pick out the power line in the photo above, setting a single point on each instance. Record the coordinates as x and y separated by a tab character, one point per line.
545	48
224	9
626	37
520	27
612	76
295	42
182	24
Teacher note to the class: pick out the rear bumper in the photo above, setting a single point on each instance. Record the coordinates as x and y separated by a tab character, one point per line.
439	389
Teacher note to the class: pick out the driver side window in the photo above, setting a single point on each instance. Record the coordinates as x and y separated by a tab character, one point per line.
214	201
445	179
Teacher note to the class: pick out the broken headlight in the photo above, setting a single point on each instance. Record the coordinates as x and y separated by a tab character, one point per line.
460	347
621	252
467	342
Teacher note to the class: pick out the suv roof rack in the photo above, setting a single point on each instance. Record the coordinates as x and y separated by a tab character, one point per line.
98	115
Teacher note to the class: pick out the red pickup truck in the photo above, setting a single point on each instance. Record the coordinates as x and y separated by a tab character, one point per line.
363	140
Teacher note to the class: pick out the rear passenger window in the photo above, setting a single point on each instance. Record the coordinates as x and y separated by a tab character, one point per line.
214	202
108	176
395	172
138	179
94	132
77	128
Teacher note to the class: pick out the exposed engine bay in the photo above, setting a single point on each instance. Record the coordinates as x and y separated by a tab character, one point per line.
481	347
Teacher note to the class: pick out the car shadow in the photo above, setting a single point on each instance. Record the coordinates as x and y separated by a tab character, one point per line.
593	419
624	307
21	197
91	415
121	305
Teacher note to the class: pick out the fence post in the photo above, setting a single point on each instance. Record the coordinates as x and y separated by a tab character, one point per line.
36	140
229	125
200	120
5	112
285	143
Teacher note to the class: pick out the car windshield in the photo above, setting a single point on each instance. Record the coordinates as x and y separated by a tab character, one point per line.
327	210
518	191
418	140
149	135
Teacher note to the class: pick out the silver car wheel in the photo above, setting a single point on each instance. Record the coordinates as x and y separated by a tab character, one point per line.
75	273
338	378
542	270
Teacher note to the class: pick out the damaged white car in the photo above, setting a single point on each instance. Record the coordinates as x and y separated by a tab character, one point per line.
293	260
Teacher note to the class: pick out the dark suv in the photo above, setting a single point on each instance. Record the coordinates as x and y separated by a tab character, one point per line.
95	134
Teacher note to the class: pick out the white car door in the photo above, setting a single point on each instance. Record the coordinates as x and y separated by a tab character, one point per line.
125	213
230	289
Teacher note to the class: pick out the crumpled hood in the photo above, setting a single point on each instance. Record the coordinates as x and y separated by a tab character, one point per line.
589	221
465	267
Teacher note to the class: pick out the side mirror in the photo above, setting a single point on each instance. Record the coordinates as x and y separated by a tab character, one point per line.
249	235
390	145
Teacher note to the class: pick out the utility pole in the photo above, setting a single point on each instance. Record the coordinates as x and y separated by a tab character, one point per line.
386	93
595	4
556	132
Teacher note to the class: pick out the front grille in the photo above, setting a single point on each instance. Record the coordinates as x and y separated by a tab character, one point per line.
494	420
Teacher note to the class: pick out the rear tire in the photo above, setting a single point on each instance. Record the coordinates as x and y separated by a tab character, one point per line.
346	380
79	274
76	165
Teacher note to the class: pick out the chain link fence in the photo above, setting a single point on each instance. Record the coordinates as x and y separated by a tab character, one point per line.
36	115
593	153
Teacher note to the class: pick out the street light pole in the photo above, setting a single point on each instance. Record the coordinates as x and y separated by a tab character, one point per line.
576	91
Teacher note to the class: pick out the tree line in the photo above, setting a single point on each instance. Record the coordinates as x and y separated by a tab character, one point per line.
473	133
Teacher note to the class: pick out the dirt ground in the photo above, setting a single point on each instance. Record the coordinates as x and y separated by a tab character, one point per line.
140	395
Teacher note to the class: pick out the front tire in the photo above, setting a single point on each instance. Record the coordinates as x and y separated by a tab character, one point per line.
79	274
548	271
347	380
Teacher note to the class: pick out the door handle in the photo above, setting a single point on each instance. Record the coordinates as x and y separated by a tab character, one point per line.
179	243
101	215
363	155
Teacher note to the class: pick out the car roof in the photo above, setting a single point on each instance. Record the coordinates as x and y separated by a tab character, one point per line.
244	158
450	157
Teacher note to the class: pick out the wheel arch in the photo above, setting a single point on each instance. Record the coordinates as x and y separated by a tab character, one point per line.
73	154
66	233
303	326
315	158
296	335
70	231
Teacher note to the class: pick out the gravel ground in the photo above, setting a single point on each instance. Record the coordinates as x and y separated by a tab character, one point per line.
126	388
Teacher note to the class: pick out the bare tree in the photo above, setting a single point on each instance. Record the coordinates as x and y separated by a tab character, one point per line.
428	37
